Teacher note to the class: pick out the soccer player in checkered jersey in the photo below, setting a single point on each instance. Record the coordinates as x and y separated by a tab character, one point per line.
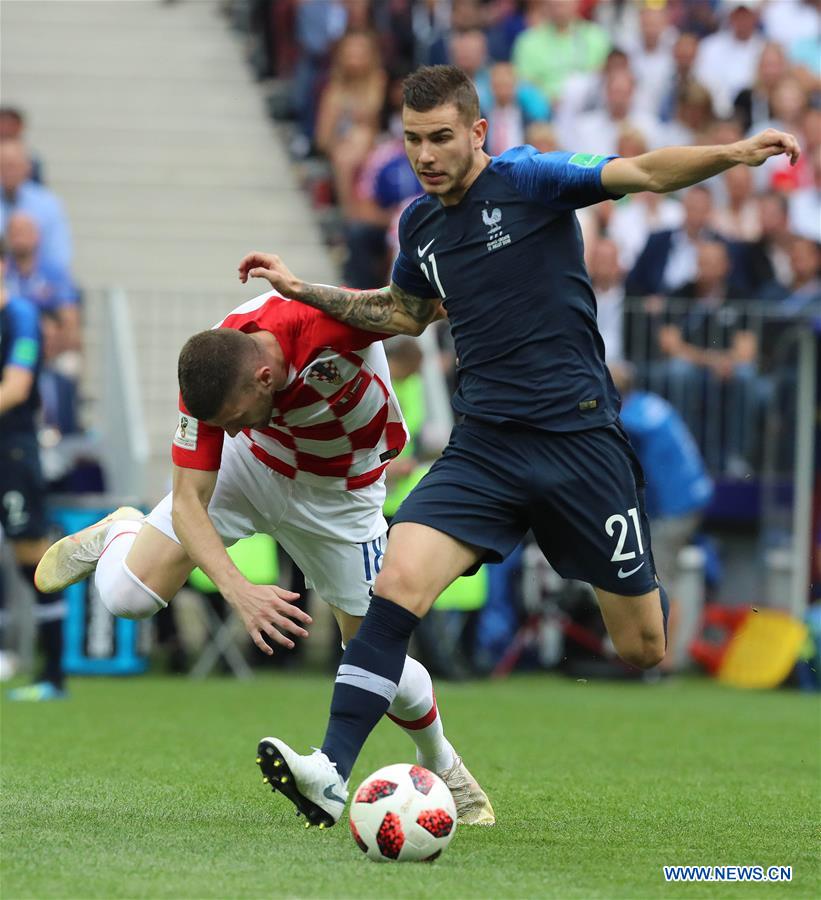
540	446
287	422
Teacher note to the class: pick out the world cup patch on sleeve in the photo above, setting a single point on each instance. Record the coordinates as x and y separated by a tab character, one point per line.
186	434
585	160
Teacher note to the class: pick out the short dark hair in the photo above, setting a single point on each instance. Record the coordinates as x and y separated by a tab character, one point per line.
432	86
210	367
11	112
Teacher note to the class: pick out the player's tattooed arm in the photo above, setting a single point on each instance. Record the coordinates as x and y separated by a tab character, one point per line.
389	309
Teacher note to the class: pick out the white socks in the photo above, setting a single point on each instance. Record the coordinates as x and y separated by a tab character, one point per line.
122	593
414	711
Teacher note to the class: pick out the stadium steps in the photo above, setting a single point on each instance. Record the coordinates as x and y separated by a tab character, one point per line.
155	136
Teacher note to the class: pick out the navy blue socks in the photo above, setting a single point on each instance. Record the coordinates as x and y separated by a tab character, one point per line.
366	680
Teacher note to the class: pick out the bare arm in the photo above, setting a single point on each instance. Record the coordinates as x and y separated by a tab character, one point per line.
672	168
387	309
264	609
15	387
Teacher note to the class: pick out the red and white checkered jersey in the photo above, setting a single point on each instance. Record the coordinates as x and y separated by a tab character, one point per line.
335	424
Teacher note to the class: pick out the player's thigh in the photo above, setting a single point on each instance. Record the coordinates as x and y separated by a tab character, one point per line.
348	624
158	561
635	625
342	572
420	563
22	490
470	506
588	512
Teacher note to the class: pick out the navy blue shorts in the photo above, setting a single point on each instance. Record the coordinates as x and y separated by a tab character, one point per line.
22	489
581	493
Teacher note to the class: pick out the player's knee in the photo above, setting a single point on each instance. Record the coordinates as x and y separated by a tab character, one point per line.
643	649
400	584
123	595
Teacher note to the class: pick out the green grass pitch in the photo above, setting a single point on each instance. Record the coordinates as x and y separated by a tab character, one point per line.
148	788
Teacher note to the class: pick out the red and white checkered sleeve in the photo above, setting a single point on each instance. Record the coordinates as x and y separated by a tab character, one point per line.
196	445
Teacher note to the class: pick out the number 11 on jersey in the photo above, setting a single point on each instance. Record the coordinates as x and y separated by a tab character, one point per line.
435	279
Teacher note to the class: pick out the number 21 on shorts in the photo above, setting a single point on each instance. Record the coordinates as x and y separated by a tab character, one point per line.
618	523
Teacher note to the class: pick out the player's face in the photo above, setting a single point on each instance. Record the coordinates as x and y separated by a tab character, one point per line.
250	407
443	149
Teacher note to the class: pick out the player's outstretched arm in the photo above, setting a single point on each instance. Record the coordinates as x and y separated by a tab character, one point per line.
672	168
264	608
387	310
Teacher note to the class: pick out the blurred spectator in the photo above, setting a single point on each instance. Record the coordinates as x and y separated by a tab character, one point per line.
607	278
727	60
513	107
753	104
792	23
669	259
685	50
12	128
803	293
711	285
47	286
678	488
558	44
696	16
468	51
737	219
434	24
21	194
709	347
585	92
541	136
768	258
319	24
692	116
651	58
598	131
382	188
349	108
789	103
430	22
620	19
59	412
506	20
638	216
805	202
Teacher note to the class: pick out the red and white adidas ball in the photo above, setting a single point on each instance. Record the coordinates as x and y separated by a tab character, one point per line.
403	813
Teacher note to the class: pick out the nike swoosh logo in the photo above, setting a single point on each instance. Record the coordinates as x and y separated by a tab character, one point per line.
424	250
631	572
329	794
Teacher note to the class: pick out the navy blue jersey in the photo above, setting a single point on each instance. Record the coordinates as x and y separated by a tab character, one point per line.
508	262
20	346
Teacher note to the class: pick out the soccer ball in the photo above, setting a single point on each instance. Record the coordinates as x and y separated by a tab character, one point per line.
403	813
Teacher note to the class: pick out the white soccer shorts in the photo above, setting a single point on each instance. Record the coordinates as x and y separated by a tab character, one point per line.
337	538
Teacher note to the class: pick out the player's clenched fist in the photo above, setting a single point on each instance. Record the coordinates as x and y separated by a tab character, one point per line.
755	150
273	269
265	610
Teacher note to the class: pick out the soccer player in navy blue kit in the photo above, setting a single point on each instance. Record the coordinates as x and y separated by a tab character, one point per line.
540	447
22	487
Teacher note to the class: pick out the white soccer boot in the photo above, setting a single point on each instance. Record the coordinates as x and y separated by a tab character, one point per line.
472	804
75	556
311	783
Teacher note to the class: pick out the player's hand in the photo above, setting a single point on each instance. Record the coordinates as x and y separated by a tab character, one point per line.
272	269
265	609
761	147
